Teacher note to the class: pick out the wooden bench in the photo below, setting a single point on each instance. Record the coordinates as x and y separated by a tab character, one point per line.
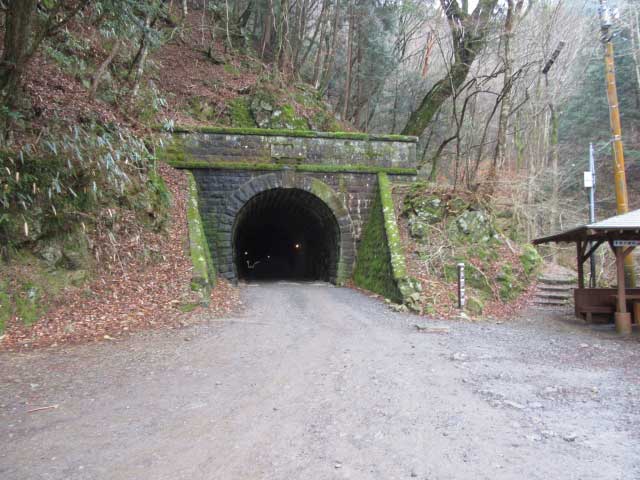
589	310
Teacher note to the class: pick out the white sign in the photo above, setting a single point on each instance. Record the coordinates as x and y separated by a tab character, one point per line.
626	243
588	180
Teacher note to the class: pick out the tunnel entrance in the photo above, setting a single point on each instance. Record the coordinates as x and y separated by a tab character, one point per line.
286	233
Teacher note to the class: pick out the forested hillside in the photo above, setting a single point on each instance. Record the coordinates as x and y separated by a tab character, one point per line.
87	85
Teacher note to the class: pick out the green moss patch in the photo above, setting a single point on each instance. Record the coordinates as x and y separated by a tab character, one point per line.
204	276
5	307
510	285
373	269
240	114
292	133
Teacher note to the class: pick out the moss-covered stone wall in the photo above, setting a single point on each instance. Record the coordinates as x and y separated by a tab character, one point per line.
380	264
373	269
284	147
204	272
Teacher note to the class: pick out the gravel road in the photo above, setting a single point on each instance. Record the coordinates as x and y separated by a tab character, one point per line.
317	382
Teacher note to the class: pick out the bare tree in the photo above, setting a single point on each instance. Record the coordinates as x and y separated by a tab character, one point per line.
468	34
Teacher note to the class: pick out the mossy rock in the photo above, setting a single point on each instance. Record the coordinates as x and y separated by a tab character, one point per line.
268	113
429	209
50	252
456	206
75	252
13	231
202	110
474	305
530	259
261	106
472	227
324	121
288	119
240	113
69	251
418	228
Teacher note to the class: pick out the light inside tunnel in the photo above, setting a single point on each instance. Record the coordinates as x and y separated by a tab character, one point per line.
286	234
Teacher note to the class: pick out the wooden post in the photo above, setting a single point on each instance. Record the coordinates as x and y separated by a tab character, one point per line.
622	317
622	297
580	264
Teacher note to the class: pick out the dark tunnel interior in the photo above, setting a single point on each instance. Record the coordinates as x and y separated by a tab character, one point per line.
286	234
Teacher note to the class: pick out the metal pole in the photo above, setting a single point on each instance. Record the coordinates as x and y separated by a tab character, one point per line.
616	131
592	211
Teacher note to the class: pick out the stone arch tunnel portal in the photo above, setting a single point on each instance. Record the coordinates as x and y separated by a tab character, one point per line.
286	233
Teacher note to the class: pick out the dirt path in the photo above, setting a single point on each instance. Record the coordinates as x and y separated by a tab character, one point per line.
316	382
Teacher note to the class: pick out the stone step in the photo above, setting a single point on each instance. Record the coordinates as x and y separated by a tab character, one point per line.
552	287
556	295
551	302
557	280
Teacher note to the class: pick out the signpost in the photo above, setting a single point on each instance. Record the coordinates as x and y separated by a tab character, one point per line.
626	243
461	296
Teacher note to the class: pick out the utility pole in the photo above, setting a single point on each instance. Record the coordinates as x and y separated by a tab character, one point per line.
616	131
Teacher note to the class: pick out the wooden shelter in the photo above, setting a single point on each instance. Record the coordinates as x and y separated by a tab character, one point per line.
622	234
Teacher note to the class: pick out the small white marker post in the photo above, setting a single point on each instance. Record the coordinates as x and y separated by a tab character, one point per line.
461	297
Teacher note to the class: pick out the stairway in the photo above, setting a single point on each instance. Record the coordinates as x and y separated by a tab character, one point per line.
555	290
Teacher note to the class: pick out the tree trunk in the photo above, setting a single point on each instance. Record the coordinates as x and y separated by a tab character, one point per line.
553	153
347	82
97	77
635	52
267	32
468	33
19	18
144	49
301	30
359	102
320	27
499	156
394	115
318	61
330	55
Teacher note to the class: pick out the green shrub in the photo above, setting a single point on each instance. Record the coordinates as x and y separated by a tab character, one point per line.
49	187
5	307
510	286
530	259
